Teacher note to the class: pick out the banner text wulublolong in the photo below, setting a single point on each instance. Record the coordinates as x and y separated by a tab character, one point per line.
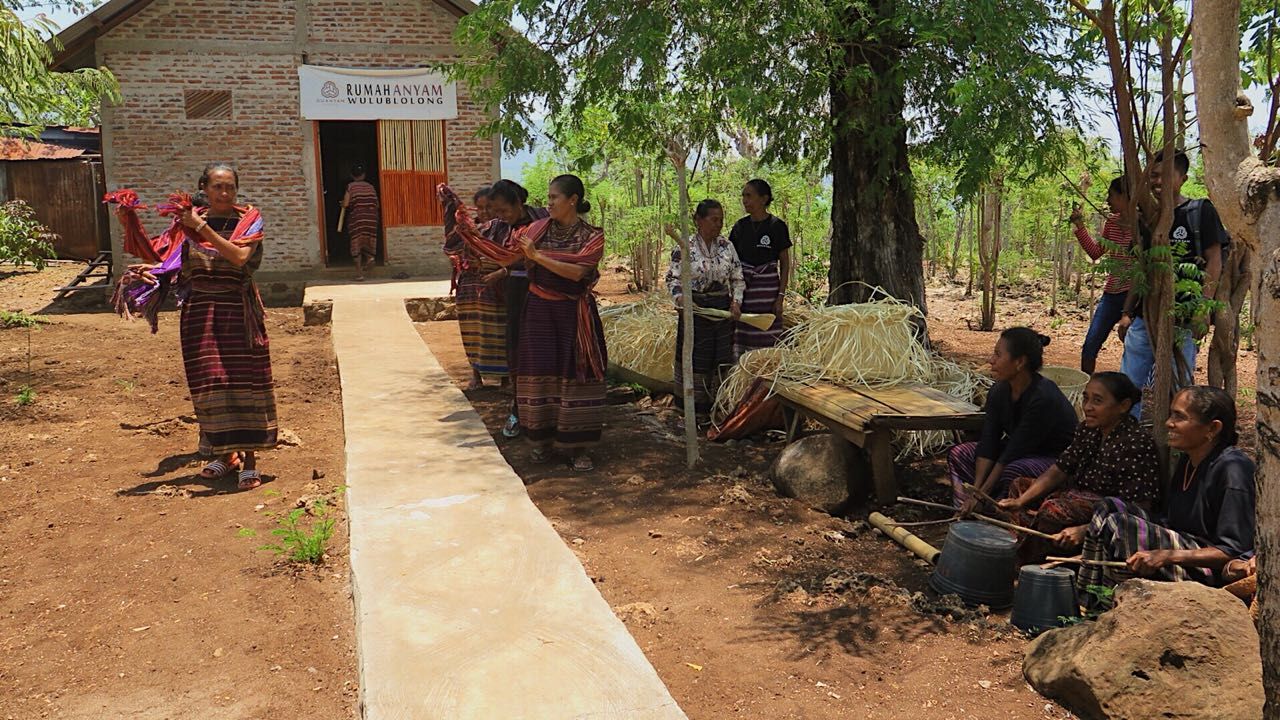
397	93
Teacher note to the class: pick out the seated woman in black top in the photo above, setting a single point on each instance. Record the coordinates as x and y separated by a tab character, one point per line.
763	244
1028	421
1207	519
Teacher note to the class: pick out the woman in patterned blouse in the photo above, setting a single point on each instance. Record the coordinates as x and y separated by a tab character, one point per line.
1110	456
716	283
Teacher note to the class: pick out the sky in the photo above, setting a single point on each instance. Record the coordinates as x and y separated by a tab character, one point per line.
513	164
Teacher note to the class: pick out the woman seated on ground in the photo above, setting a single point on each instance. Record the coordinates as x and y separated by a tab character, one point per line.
1208	516
716	282
1110	456
1028	421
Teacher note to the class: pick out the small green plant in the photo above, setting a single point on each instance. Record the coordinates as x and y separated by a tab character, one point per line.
17	319
26	395
1106	599
23	240
126	386
1057	322
299	543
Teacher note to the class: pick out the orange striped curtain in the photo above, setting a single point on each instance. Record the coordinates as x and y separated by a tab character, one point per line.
411	163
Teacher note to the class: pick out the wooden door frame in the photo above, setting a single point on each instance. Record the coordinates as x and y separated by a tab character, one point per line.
324	229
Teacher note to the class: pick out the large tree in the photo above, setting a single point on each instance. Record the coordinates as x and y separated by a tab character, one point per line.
1244	184
31	95
853	80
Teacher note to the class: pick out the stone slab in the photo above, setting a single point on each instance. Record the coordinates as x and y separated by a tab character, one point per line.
468	604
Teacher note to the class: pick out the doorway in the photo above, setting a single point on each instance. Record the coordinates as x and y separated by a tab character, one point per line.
344	144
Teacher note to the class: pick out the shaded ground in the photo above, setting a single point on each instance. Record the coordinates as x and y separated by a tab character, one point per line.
750	605
125	588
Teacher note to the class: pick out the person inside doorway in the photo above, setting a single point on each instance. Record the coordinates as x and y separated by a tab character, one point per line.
361	203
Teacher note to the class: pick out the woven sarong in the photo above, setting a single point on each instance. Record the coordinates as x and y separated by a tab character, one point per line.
763	286
482	320
362	218
1058	511
228	372
962	461
712	351
1117	531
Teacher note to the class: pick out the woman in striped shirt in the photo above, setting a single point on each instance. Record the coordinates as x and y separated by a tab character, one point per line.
1116	248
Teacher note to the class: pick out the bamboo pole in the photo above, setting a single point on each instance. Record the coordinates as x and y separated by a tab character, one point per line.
983	518
921	548
1086	561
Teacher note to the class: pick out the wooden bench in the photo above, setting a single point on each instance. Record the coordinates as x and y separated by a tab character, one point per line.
868	419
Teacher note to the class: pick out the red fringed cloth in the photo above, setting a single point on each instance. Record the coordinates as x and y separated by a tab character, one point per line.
136	298
590	363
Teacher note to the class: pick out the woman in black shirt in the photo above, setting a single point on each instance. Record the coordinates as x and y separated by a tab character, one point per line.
1208	517
763	243
1028	421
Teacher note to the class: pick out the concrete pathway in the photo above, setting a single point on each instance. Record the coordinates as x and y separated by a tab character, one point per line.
468	604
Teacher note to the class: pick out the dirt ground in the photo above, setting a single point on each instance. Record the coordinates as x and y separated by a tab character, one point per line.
751	605
126	590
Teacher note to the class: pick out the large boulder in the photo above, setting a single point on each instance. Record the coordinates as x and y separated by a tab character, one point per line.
822	471
1167	650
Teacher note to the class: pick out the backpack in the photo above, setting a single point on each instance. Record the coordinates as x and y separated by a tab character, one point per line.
1195	208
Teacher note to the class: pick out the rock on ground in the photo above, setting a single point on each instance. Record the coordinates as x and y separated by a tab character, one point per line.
816	470
1167	650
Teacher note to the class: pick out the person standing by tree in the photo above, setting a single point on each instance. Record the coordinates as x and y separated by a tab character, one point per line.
763	244
1196	238
361	202
1116	290
716	283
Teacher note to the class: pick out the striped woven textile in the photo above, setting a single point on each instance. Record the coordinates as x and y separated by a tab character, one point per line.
362	218
482	320
763	286
559	403
227	362
1117	531
712	351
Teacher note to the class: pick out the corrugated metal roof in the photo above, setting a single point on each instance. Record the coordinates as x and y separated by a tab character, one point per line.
22	149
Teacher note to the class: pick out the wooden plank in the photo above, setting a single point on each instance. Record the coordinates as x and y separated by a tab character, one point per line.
901	408
880	448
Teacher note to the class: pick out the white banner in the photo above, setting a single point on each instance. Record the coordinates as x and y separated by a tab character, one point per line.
328	93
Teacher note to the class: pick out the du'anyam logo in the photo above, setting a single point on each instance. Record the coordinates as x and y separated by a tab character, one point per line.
1180	232
388	91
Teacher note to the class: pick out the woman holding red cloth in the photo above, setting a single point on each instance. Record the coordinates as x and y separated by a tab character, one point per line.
561	356
208	256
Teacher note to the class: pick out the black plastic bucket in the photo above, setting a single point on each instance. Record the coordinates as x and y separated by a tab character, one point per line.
977	563
1043	596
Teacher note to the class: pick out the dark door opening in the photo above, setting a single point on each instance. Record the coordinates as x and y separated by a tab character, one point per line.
344	144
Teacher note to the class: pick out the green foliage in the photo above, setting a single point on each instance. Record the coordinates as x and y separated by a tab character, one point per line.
23	240
17	319
32	95
26	395
297	542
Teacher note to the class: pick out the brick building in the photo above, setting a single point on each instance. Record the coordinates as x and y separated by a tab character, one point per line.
220	80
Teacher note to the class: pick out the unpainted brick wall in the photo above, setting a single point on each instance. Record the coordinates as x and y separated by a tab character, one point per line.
250	50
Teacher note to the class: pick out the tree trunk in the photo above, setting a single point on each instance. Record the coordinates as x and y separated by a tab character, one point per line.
1243	189
875	242
679	156
989	250
961	214
1237	276
975	227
